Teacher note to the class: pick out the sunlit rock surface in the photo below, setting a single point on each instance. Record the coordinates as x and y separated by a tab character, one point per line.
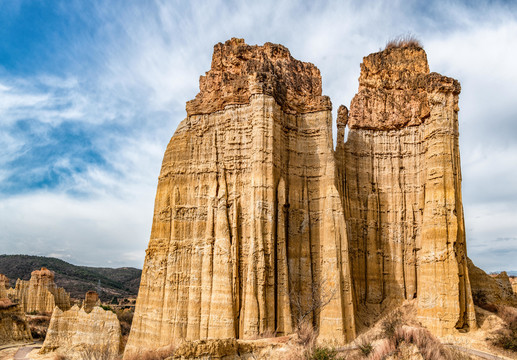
400	181
258	218
78	334
40	293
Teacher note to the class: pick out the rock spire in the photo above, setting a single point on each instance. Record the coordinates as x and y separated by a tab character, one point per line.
40	293
400	181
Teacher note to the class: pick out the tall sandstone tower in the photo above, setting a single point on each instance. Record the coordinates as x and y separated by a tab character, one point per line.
400	180
258	220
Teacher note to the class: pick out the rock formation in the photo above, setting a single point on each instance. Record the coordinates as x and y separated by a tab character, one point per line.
40	293
4	286
247	213
492	290
78	334
259	223
513	281
400	179
91	299
13	325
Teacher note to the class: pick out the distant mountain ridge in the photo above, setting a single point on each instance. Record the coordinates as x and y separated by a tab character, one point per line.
77	280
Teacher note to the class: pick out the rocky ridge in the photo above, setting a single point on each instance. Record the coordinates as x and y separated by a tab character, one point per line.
259	224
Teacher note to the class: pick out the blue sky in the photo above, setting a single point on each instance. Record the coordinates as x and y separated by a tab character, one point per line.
92	91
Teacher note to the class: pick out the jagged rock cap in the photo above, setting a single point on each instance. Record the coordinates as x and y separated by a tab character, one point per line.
239	71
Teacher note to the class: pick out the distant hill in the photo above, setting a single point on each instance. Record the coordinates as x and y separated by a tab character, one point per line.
77	280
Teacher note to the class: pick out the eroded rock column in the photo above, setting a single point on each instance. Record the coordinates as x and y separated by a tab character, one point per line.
401	185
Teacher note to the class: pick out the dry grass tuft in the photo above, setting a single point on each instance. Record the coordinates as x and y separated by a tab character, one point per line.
306	335
322	353
404	41
383	349
430	347
392	322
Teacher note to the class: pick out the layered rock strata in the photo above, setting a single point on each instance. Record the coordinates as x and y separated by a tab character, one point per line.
81	335
249	232
259	224
40	293
400	181
13	325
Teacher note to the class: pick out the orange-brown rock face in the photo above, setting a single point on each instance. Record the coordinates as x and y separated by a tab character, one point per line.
40	293
91	299
13	325
401	186
4	285
239	71
248	219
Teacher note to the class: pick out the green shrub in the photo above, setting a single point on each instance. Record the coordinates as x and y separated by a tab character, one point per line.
323	353
107	308
366	347
391	323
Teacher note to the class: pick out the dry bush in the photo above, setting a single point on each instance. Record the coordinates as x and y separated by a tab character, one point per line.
392	322
39	320
402	41
306	334
383	349
125	317
506	337
365	346
322	353
508	315
430	347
